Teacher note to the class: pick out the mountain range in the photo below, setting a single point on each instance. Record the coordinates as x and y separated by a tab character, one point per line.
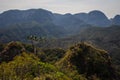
96	18
50	55
40	22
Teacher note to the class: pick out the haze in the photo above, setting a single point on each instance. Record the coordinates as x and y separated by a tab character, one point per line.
109	7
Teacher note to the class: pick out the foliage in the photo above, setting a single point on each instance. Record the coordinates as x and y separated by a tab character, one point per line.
88	60
80	62
10	51
51	55
29	67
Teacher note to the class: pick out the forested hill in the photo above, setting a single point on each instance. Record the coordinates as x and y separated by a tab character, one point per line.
37	44
79	62
105	38
16	25
95	17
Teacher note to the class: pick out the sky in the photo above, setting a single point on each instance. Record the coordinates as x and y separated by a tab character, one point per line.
109	7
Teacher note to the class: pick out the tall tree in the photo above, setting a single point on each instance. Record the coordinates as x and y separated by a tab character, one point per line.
34	40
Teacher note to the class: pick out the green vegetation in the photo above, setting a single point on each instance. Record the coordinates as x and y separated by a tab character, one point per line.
29	67
106	38
79	62
88	61
10	50
54	57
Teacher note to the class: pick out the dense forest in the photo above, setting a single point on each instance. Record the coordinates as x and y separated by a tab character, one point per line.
37	44
81	61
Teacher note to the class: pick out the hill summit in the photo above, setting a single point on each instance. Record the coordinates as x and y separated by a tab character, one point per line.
89	61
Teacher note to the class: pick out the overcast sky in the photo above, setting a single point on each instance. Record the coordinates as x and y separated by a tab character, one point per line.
109	7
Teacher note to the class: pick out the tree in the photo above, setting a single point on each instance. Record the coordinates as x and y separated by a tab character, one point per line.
34	40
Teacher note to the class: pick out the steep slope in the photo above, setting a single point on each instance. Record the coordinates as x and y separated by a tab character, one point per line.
116	20
80	62
69	22
82	16
23	16
106	38
86	59
20	32
27	66
95	18
16	25
40	22
98	18
10	51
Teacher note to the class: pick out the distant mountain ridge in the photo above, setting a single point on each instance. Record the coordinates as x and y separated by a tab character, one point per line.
22	16
18	24
64	30
95	17
116	20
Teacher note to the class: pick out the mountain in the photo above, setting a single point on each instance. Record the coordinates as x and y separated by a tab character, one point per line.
116	20
24	16
51	59
89	61
95	18
20	32
17	25
69	22
82	16
98	18
40	22
107	38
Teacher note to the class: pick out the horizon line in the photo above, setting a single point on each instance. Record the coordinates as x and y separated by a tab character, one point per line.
73	13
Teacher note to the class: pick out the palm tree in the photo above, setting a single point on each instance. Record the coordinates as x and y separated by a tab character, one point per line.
34	39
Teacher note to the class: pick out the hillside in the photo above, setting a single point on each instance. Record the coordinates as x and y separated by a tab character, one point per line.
40	22
11	17
105	38
80	62
37	44
20	32
95	18
88	61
